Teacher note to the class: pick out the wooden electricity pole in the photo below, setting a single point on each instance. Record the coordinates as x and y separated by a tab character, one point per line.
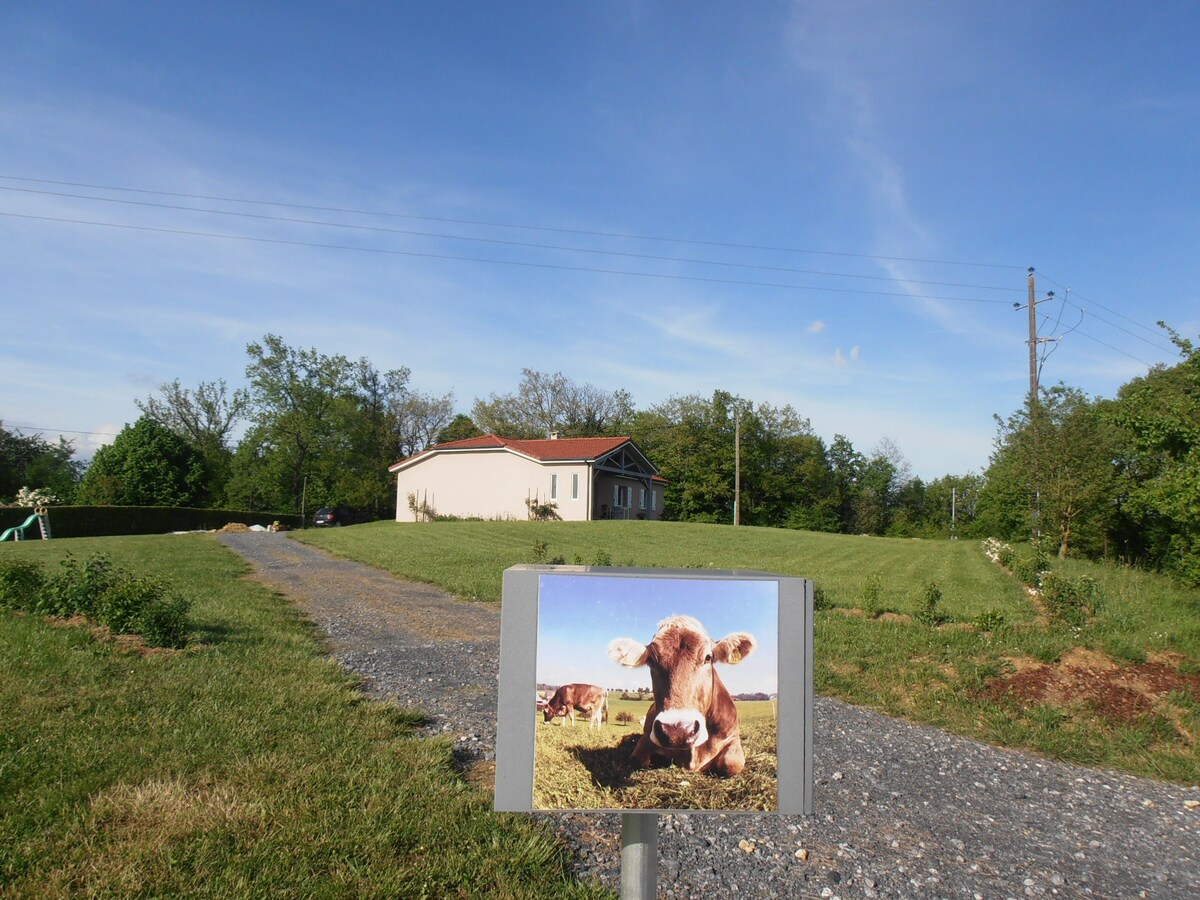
1033	342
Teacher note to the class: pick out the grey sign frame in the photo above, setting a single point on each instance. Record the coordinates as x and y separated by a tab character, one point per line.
518	678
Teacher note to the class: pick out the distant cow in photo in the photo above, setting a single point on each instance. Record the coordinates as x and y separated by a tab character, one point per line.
693	722
589	699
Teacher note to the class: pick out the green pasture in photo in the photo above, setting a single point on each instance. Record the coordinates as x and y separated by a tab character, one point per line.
587	768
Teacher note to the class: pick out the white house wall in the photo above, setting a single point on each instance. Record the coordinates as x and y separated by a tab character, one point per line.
490	484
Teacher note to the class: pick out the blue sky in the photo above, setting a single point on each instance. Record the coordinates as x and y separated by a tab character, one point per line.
578	615
898	167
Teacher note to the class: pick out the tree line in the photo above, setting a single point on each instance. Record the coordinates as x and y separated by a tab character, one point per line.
1116	478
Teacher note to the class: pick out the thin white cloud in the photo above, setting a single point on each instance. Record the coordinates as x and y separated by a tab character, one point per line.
815	327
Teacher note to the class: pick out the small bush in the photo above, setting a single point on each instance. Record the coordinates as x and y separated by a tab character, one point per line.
931	597
989	620
94	588
872	595
624	717
1030	569
1070	600
542	512
820	600
77	588
121	606
603	558
540	549
163	622
1004	556
21	581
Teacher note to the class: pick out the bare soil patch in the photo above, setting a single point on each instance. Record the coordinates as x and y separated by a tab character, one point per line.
1119	693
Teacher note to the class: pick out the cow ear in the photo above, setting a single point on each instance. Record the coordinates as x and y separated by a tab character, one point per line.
734	648
628	652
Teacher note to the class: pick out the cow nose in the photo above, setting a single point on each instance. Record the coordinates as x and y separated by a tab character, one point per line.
677	731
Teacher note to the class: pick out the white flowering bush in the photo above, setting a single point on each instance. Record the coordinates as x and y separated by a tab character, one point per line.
997	551
34	497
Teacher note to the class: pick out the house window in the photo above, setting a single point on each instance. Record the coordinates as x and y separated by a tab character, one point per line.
653	499
554	487
575	486
621	496
641	498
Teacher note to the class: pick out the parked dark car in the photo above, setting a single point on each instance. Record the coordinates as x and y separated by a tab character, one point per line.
332	516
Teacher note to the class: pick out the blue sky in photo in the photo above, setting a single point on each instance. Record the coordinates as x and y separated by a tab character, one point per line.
827	205
578	615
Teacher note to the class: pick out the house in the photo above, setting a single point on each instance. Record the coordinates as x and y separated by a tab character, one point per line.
493	477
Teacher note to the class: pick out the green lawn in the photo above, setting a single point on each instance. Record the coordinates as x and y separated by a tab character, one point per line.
248	764
877	657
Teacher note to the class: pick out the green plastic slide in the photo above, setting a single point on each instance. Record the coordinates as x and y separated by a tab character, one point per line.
12	532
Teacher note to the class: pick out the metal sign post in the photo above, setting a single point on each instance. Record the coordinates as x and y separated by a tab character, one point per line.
639	856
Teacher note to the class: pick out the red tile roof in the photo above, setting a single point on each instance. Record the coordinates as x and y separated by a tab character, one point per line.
552	450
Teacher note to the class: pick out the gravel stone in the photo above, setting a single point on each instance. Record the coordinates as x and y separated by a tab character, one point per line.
900	810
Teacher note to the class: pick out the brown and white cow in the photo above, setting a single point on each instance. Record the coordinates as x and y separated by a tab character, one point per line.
693	722
589	699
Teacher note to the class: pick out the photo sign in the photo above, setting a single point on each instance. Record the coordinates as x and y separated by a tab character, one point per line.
647	690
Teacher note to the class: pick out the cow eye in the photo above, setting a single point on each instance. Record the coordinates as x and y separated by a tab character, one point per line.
708	657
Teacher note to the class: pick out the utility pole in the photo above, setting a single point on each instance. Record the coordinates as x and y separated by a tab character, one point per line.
1034	404
737	466
1033	342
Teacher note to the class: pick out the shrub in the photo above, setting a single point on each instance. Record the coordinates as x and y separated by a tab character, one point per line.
1070	600
988	620
542	512
121	605
603	558
872	594
124	602
820	600
624	717
21	581
163	621
540	548
77	588
929	613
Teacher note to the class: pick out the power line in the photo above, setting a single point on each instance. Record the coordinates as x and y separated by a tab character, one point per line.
525	227
1146	328
45	428
493	261
508	243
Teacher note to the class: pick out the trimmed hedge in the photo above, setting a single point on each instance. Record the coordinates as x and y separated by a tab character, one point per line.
102	521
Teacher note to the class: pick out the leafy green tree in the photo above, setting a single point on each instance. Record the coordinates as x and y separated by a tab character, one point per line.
33	462
321	431
460	428
785	477
1058	461
956	495
147	464
846	465
690	439
1159	418
204	416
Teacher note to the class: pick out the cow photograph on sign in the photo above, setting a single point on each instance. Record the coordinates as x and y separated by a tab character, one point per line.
677	683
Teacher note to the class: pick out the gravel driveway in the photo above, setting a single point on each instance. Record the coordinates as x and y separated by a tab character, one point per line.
900	810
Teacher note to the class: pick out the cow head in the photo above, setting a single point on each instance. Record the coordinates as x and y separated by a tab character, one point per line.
682	658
